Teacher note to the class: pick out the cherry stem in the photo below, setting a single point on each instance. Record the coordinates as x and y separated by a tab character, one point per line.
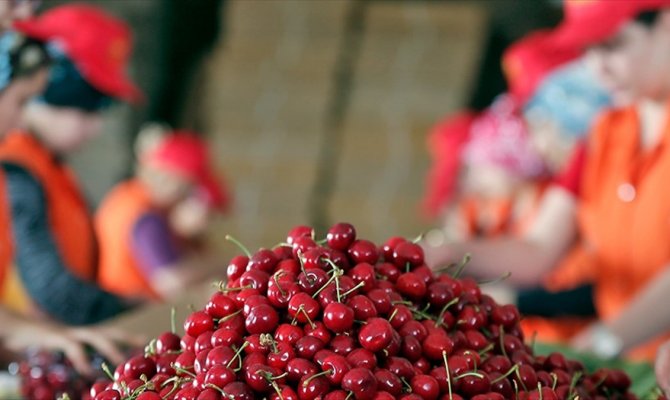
328	282
501	337
349	395
523	385
393	314
322	373
419	238
218	389
408	266
445	269
276	276
173	319
501	278
237	355
486	349
539	389
267	340
107	371
461	266
407	385
475	374
573	382
554	379
221	285
348	292
446	367
239	244
230	316
506	374
183	371
440	317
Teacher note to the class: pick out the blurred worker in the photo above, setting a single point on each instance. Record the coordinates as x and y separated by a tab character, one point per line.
53	247
611	198
145	224
24	65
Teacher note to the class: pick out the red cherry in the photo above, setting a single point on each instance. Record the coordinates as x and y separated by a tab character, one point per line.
362	358
108	394
226	337
149	396
472	385
411	285
381	300
363	251
337	367
312	388
238	391
301	244
220	376
401	367
375	335
167	341
340	236
435	344
338	317
307	346
263	260
255	279
303	308
388	271
364	273
298	232
299	367
319	331
288	333
361	382
425	386
312	280
363	307
283	354
262	319
315	258
389	382
411	348
197	323
236	267
389	247
342	344
415	329
407	253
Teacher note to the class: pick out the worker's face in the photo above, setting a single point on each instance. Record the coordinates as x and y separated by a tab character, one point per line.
63	129
12	10
166	188
15	96
633	64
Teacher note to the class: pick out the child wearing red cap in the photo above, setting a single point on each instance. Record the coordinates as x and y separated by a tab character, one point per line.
143	223
606	221
50	234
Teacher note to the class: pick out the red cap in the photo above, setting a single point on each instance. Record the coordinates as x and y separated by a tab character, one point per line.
527	62
96	42
186	153
445	143
589	22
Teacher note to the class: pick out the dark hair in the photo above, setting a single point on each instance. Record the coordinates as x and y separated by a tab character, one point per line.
648	18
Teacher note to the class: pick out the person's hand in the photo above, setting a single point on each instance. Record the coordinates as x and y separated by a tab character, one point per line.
190	217
598	339
662	367
71	341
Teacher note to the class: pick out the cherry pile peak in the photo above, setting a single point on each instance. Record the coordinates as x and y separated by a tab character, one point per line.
344	319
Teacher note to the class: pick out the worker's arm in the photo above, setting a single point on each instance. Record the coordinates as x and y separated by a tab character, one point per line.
528	258
43	272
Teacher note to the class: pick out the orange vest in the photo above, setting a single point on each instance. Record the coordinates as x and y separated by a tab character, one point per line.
67	212
119	271
623	216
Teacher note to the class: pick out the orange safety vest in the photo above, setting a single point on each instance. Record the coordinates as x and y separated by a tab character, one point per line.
67	212
624	221
119	271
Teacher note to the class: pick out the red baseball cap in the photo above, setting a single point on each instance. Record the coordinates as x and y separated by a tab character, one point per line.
587	22
528	61
186	153
98	43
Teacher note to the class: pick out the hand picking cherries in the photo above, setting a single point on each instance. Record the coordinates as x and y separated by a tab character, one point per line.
345	319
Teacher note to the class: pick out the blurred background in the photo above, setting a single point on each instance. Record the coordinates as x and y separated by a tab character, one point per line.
317	111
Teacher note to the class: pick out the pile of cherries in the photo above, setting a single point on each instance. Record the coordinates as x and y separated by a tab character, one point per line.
343	319
48	375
